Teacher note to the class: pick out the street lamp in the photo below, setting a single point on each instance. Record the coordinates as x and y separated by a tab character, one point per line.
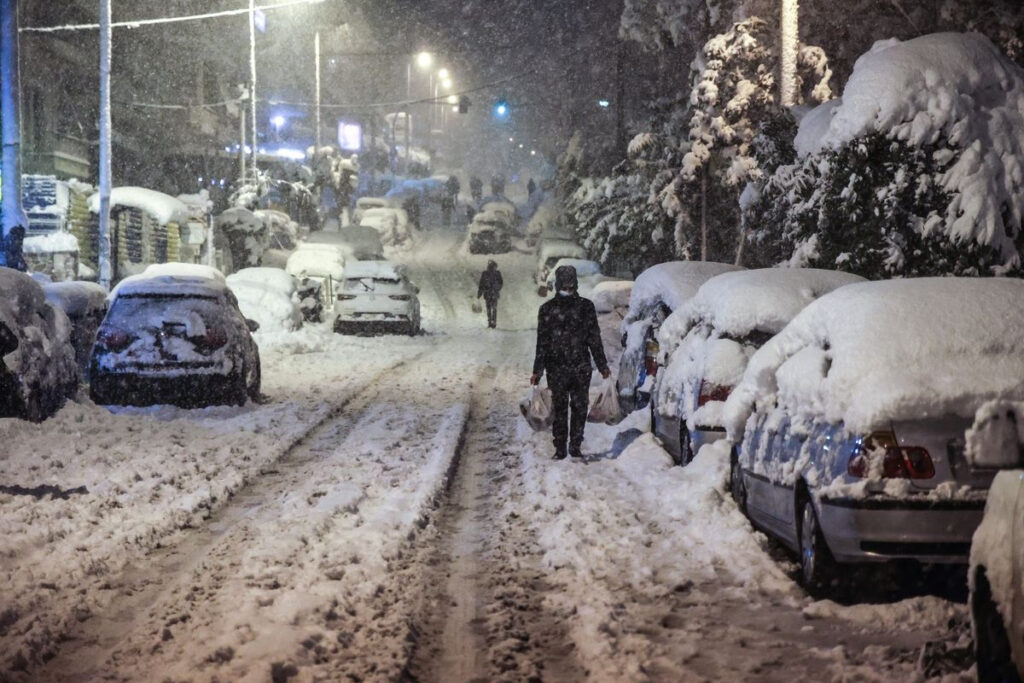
443	74
424	60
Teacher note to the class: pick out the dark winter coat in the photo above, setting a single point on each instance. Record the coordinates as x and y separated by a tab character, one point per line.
490	284
568	337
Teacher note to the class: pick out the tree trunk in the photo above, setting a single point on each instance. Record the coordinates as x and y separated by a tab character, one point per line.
789	44
704	213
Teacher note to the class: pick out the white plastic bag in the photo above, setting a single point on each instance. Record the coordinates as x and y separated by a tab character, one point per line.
536	408
605	407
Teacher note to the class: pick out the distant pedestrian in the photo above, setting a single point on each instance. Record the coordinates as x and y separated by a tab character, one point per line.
531	187
490	290
476	189
450	199
567	339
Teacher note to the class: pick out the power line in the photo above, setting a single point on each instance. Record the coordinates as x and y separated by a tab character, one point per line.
162	20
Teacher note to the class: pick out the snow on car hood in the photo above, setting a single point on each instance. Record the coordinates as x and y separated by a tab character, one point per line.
875	352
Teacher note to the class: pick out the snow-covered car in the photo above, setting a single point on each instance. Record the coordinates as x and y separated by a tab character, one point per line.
612	295
588	273
391	224
377	297
704	346
321	261
550	251
175	339
504	207
268	296
995	443
85	304
848	426
657	292
363	204
489	233
37	359
363	242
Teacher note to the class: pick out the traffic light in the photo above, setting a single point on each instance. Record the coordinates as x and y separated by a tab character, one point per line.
463	104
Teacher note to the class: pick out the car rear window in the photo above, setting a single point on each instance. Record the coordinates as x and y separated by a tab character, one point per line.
135	311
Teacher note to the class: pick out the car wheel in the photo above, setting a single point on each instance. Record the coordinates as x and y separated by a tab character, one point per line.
238	388
817	568
991	644
685	444
736	486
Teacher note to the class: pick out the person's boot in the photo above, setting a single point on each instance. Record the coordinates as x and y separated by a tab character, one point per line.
575	452
559	455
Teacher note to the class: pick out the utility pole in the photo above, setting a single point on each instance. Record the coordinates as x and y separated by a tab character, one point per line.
252	86
241	147
316	139
13	213
787	59
106	272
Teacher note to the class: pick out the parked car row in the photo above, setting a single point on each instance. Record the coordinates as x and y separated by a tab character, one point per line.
844	402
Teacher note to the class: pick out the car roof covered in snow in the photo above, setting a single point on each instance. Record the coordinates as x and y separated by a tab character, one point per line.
184	269
273	278
378	270
319	260
672	283
491	217
75	297
765	299
182	284
874	352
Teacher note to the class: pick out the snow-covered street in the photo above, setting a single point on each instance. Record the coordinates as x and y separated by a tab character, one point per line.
386	514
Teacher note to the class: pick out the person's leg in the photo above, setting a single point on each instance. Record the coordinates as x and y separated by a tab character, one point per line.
560	413
578	399
492	312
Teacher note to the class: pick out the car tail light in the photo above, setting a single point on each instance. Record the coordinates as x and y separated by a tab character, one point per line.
651	357
712	392
346	297
898	462
114	338
214	338
399	297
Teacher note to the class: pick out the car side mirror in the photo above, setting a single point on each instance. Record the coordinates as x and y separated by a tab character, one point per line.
252	325
995	441
8	340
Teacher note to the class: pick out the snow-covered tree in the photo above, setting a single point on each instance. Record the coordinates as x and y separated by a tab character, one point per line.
917	170
733	93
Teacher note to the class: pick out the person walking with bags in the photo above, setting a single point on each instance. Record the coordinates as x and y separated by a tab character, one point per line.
568	338
490	290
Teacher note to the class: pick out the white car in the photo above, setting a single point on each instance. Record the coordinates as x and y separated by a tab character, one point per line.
377	297
550	251
489	233
364	204
503	207
321	261
268	296
392	224
996	443
588	273
705	344
657	292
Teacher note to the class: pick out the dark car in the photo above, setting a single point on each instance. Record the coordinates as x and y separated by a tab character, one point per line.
37	360
177	339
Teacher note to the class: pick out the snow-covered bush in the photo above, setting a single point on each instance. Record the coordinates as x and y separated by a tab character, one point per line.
917	170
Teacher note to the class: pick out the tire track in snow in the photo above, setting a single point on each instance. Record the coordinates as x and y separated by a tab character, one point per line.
487	618
156	577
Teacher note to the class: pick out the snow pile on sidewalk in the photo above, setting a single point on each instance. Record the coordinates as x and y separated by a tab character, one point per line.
952	87
874	352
